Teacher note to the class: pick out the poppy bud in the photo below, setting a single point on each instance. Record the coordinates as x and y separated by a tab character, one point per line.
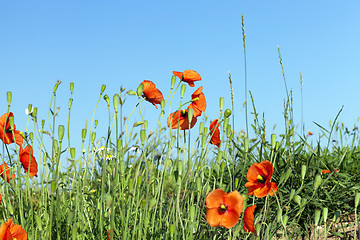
131	92
285	219
221	103
56	145
107	99
357	198
96	123
317	216
227	113
140	89
162	104
146	124
182	90
258	228
279	215
131	184
204	140
297	199
53	186
71	87
317	181
34	112
83	133
103	87
273	140
303	202
142	136
172	230
190	115
56	85
292	193
277	146
236	182
222	165
38	222
303	172
325	214
10	209
11	121
116	100
93	136
220	155
201	127
108	200
29	108
70	102
122	167
8	97
198	184
139	180
72	153
31	136
173	80
180	165
192	213
61	130
42	124
246	144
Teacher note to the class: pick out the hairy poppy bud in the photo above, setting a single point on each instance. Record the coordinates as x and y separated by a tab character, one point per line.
317	216
103	87
72	153
182	90
273	140
116	100
8	97
71	87
325	214
221	103
61	130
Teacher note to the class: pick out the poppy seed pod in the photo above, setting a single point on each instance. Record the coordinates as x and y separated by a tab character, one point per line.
61	131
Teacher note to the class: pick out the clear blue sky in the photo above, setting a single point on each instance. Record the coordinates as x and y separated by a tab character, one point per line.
123	43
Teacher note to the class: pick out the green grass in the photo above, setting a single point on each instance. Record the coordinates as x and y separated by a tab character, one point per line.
152	184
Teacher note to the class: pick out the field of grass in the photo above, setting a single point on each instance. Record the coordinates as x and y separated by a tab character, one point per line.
138	183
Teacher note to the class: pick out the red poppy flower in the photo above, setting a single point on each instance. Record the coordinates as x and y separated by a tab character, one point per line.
215	133
259	175
9	173
188	76
223	209
199	105
179	119
326	171
310	133
249	219
5	130
28	161
9	230
151	93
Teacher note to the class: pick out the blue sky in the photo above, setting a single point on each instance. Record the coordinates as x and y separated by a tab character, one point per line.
123	43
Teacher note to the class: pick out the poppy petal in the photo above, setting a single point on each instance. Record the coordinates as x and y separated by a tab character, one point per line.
262	191
213	217
28	160
230	219
234	202
249	219
215	198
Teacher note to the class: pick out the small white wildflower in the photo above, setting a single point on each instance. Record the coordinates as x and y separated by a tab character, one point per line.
27	112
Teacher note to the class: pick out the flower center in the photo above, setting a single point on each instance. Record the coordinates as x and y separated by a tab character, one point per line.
183	112
222	208
260	179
